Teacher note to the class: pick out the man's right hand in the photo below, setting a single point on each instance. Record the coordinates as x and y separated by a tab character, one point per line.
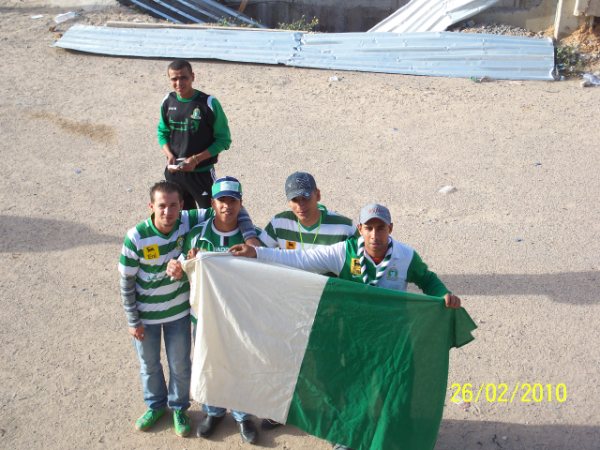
243	250
137	332
174	269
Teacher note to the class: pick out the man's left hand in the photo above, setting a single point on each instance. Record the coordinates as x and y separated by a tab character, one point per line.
452	301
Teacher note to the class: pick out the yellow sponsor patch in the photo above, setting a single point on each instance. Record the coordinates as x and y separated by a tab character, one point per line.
151	252
355	266
290	245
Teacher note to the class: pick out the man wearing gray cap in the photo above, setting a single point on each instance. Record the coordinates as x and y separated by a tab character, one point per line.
307	224
373	258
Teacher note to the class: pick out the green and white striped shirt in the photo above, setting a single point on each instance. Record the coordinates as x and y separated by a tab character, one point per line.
286	232
207	238
144	255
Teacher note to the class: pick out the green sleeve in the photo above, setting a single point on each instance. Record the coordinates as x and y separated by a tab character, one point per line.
221	131
424	278
164	132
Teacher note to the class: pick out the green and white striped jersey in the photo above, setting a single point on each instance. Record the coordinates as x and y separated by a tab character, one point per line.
145	254
286	232
207	238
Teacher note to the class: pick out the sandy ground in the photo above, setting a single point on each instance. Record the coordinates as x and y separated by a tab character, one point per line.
518	240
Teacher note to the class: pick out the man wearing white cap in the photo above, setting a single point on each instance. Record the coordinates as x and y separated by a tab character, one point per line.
373	258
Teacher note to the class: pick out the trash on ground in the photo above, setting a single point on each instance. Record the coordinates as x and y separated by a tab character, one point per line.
37	16
589	79
65	16
334	78
447	190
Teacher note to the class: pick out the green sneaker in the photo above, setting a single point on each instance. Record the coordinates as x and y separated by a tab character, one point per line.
182	423
149	418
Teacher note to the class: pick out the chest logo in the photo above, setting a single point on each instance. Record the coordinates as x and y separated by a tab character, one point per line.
151	252
196	114
290	245
355	266
392	274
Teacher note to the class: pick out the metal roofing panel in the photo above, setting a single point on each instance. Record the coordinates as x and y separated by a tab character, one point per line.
192	11
431	15
230	45
439	54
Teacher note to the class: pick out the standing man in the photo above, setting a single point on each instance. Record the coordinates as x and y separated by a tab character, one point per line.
373	258
218	234
156	304
307	224
192	131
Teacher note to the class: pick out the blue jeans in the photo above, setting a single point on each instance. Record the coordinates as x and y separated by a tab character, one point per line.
178	347
217	411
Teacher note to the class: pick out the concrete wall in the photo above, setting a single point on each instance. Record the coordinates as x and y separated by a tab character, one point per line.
333	15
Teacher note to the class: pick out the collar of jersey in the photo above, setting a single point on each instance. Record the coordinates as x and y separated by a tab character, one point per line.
166	236
187	100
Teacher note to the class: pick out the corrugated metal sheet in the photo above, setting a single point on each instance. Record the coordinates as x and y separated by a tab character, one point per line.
263	47
440	54
191	11
431	15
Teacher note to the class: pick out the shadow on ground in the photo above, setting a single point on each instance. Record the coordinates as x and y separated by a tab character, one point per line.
26	234
467	435
557	286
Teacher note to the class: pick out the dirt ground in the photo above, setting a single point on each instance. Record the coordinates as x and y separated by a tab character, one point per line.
518	240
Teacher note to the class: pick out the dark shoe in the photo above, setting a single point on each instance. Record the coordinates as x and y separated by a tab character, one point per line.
207	426
248	431
268	424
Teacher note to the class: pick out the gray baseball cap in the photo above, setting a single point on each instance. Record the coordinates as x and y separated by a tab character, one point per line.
299	184
375	211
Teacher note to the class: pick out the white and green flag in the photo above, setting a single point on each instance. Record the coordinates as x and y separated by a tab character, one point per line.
350	363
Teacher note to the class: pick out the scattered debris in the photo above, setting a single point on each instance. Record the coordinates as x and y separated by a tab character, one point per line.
333	78
447	190
518	239
64	17
78	171
37	16
480	79
589	79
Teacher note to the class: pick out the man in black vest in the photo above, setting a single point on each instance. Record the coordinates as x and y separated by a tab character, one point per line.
192	131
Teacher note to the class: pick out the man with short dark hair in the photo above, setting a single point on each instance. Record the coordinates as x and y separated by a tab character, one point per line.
156	304
192	131
217	234
307	224
373	258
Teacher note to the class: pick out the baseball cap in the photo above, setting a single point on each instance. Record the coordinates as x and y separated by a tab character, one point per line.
299	184
227	187
375	211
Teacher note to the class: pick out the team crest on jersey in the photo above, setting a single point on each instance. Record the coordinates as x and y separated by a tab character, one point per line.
290	245
355	266
180	243
151	251
392	274
196	114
